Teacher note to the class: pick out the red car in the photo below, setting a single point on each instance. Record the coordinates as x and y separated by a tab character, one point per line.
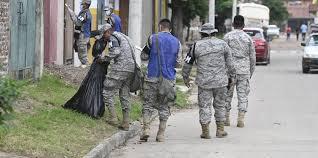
261	45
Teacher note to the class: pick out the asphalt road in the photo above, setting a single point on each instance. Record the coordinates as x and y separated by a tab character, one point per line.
282	120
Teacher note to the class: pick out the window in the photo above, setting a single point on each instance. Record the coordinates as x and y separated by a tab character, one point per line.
254	33
313	41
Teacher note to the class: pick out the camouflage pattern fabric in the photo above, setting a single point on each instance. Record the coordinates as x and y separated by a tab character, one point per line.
243	89
119	83
243	51
205	97
244	58
153	101
82	43
214	63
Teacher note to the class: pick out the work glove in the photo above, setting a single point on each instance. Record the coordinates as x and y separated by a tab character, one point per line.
187	82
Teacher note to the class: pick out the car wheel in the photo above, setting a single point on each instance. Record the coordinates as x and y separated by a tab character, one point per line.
268	59
306	69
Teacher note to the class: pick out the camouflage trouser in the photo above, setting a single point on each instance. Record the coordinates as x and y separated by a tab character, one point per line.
205	97
153	101
242	83
82	44
111	88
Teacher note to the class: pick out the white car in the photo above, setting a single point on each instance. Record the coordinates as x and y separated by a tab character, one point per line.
273	30
310	57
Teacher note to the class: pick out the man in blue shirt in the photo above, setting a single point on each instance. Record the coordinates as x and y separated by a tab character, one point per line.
82	33
303	29
163	53
112	18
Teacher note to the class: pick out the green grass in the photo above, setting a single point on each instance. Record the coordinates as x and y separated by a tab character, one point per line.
50	90
55	133
136	109
179	81
49	131
181	101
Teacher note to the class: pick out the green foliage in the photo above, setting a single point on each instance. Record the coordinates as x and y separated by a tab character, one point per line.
50	90
181	101
8	93
278	11
223	8
54	133
48	130
194	8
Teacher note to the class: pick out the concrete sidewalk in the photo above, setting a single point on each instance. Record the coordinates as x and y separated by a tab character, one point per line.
281	121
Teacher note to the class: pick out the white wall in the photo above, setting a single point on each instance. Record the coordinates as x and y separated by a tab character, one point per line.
135	21
140	21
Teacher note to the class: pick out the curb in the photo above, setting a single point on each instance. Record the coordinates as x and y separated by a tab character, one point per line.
104	149
9	155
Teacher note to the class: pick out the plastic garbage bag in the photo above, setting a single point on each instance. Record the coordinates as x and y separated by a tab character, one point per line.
89	97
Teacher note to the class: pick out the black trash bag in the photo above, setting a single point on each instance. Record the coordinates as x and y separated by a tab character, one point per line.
89	97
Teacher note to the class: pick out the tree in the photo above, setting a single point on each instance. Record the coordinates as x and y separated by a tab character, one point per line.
183	11
223	9
278	11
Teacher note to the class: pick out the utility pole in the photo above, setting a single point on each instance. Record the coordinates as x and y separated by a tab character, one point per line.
68	34
234	9
212	12
39	39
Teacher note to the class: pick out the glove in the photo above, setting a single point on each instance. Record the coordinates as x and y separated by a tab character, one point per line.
187	82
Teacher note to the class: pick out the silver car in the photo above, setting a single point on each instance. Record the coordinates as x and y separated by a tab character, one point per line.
273	30
310	56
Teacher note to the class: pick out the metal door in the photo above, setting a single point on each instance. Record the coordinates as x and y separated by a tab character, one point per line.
22	44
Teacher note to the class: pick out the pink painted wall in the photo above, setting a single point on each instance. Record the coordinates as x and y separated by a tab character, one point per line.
50	31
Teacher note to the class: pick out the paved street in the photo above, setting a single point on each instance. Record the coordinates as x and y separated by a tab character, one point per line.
281	122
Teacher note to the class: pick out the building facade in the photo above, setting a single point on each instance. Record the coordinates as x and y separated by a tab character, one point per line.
300	13
4	35
38	32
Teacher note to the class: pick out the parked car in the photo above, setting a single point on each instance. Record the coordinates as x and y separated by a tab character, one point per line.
262	47
273	31
310	56
313	28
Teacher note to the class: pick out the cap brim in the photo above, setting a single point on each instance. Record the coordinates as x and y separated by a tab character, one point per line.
209	31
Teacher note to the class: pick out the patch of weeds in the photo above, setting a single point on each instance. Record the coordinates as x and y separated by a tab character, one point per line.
179	81
9	92
135	111
50	90
55	133
181	101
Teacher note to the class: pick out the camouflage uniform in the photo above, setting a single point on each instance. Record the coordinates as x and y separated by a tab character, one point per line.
83	23
152	101
151	94
121	71
244	59
214	68
82	47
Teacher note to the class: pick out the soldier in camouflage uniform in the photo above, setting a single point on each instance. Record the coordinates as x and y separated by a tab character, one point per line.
83	22
120	75
168	47
214	72
244	59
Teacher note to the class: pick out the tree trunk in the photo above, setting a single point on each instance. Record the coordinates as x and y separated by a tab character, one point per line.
177	19
188	33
